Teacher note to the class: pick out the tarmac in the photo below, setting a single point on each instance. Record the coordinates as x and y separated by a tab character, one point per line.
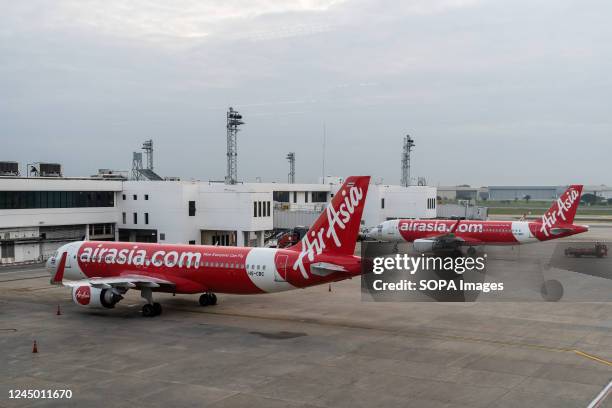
304	348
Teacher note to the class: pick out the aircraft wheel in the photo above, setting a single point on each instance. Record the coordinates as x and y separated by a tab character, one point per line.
204	300
157	309
552	290
471	251
208	299
148	310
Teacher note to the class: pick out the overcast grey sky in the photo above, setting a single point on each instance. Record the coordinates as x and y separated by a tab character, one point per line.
493	92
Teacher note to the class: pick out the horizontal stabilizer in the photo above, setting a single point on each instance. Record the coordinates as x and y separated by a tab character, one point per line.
559	230
325	268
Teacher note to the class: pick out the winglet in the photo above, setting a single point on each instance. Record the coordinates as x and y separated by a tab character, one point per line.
59	274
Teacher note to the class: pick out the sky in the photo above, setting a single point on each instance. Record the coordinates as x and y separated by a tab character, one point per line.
493	92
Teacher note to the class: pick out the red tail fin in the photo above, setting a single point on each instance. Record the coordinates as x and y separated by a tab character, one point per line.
336	229
563	210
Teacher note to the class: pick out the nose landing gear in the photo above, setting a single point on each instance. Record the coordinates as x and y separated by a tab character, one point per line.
208	299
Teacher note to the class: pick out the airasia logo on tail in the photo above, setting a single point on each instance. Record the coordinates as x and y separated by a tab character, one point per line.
339	219
557	213
83	295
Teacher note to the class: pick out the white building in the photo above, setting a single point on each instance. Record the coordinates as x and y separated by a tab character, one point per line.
194	212
37	215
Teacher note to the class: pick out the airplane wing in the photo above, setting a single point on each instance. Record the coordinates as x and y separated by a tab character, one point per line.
123	281
127	281
448	236
447	240
453	239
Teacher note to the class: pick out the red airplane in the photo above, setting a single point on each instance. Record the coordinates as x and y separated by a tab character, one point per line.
101	272
434	235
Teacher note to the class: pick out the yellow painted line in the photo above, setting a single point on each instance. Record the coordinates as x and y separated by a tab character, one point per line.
592	357
527	345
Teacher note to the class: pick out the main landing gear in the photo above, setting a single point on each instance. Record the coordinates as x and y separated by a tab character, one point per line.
150	309
208	299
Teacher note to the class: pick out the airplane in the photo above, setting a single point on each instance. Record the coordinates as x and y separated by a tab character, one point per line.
99	273
439	235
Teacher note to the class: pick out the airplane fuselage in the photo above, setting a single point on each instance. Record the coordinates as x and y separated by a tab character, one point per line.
201	268
471	232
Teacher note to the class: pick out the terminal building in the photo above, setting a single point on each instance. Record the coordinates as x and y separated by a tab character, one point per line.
543	193
39	214
535	193
515	193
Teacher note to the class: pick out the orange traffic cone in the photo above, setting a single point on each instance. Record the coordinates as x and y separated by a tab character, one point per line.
35	348
59	312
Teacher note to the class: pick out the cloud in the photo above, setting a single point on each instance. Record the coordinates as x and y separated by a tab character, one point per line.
462	77
157	19
180	21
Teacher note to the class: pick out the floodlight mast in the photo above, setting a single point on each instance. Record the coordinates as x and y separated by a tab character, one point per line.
137	166
147	146
408	145
234	120
291	175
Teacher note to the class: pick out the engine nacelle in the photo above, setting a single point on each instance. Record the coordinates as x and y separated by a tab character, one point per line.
424	245
88	296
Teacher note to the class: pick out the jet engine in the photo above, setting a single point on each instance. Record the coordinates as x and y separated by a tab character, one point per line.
88	296
424	245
